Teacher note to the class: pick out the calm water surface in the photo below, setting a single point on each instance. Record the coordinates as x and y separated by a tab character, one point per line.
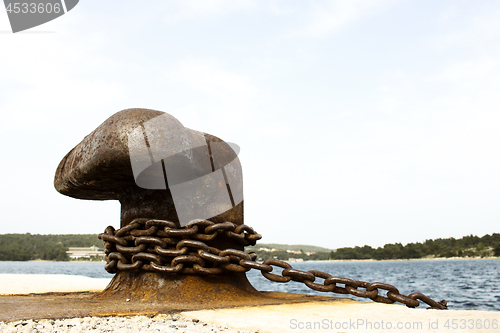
465	284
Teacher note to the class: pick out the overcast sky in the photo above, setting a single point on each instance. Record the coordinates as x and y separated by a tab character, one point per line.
359	122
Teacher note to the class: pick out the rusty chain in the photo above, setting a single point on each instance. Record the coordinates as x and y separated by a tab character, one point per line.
159	246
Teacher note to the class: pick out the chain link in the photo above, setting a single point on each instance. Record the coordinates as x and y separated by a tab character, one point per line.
159	246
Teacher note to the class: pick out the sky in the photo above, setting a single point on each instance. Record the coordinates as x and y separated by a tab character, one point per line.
359	122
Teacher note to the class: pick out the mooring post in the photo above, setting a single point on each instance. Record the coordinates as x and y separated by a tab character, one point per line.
166	174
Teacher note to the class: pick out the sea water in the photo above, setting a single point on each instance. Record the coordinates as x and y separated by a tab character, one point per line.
465	284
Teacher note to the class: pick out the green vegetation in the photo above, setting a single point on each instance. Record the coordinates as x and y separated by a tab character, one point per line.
468	246
22	247
285	247
279	251
283	255
496	250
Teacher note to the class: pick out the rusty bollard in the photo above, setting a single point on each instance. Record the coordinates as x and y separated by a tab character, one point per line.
164	176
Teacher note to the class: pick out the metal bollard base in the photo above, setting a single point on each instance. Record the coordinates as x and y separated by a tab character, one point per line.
140	286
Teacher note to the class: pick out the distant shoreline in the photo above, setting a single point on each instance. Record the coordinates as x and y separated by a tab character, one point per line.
411	259
335	260
41	260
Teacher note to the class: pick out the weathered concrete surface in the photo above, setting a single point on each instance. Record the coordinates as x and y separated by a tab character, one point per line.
84	304
81	304
332	314
347	316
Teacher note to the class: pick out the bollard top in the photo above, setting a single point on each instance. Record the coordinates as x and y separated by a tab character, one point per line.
99	167
145	157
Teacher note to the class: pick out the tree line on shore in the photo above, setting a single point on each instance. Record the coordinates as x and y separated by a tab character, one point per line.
468	246
23	247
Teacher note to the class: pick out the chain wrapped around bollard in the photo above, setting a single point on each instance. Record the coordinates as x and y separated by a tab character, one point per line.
159	246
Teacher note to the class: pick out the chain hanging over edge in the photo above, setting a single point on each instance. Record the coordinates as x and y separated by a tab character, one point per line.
159	246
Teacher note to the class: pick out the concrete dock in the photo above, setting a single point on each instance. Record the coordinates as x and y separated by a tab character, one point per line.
335	315
348	316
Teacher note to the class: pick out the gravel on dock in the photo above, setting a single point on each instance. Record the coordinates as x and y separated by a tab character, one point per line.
158	323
